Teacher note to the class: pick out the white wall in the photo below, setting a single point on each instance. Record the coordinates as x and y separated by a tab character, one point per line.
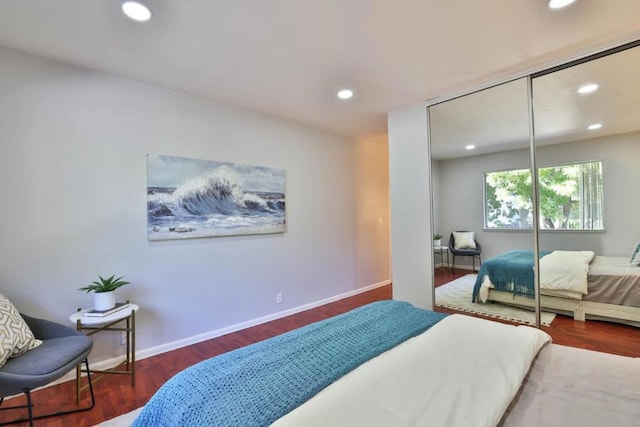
409	179
73	191
461	196
371	168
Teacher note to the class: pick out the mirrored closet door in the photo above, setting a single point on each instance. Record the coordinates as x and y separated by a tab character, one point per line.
587	138
481	186
584	165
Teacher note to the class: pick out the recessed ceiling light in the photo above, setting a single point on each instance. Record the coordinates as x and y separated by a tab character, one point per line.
136	11
588	88
345	94
595	126
470	147
559	4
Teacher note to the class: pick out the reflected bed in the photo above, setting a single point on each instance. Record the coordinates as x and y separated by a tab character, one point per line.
598	287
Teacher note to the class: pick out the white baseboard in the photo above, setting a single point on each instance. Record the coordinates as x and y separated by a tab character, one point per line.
458	266
465	267
153	351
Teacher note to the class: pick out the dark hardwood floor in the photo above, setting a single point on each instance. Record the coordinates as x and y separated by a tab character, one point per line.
115	396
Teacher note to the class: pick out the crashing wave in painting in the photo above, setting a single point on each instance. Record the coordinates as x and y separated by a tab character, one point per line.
199	198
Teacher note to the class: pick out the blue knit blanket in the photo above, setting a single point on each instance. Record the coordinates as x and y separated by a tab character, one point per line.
510	272
257	384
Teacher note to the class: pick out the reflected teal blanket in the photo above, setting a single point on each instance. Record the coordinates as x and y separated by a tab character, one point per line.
510	272
256	385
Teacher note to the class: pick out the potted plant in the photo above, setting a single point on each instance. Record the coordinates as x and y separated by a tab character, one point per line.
104	297
437	239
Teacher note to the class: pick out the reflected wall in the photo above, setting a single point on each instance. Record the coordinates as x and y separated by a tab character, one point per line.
601	124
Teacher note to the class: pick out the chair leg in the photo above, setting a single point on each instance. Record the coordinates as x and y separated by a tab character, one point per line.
27	392
29	405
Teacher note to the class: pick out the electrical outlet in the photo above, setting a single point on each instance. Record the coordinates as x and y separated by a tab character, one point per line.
279	298
123	338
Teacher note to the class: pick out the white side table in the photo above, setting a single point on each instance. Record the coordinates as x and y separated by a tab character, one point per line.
442	251
108	323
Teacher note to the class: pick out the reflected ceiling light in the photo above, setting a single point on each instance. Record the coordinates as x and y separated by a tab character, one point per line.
470	147
595	126
588	88
559	4
345	94
136	11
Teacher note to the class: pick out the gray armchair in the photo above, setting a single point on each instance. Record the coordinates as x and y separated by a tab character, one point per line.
62	349
473	253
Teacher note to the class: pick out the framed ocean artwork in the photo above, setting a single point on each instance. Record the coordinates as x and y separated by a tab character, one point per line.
189	198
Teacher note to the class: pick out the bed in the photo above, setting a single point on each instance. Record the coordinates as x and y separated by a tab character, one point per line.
569	386
391	364
579	283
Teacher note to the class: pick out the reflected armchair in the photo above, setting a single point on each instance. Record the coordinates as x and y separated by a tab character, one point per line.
61	351
467	245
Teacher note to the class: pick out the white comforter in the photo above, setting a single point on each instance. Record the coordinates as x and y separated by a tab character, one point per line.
464	371
565	271
562	273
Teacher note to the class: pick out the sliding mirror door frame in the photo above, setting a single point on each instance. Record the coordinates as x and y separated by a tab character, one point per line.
532	149
497	121
596	225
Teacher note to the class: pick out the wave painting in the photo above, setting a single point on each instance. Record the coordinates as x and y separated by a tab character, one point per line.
189	198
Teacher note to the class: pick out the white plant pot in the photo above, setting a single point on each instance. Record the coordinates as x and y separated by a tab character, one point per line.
104	300
437	242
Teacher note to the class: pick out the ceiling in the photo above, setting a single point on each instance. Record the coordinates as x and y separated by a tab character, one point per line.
288	58
497	118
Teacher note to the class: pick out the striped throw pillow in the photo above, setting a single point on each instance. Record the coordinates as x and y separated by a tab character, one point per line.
15	336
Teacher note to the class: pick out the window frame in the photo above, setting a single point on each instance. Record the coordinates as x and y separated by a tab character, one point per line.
542	229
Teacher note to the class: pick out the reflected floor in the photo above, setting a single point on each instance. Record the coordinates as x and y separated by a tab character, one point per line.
593	335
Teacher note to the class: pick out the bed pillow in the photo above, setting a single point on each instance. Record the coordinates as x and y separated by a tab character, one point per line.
15	336
635	256
464	240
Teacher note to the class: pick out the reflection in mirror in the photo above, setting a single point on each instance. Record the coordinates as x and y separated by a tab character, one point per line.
466	197
570	197
587	135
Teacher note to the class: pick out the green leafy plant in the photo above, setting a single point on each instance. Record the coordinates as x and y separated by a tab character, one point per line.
104	285
437	236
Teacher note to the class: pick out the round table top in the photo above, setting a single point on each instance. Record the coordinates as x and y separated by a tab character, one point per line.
97	320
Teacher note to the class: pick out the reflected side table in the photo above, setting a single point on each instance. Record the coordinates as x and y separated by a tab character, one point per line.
443	252
110	323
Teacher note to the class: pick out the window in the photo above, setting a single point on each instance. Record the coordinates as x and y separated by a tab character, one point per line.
571	198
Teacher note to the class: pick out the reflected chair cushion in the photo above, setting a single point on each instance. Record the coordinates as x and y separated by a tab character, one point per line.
464	240
635	256
16	337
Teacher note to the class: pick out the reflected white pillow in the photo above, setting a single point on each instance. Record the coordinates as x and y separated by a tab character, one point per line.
464	240
635	256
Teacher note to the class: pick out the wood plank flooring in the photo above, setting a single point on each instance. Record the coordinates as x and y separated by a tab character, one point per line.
115	396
